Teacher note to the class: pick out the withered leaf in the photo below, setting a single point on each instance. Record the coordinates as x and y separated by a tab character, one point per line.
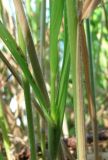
88	7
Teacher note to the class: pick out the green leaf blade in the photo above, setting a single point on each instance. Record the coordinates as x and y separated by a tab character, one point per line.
18	55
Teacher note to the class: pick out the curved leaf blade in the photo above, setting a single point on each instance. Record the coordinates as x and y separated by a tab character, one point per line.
18	55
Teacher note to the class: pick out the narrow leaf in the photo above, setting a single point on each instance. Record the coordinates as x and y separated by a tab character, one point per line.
63	83
31	48
27	96
18	55
15	74
56	18
92	110
29	112
11	68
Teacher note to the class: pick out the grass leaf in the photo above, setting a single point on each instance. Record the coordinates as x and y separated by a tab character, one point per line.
31	48
18	55
55	23
27	96
56	18
10	67
63	83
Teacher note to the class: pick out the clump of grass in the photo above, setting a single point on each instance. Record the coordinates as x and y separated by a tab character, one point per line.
75	58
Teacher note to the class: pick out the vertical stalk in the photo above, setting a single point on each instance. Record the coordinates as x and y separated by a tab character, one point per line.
54	132
80	114
74	42
94	120
89	41
42	32
52	142
42	49
29	118
27	96
31	49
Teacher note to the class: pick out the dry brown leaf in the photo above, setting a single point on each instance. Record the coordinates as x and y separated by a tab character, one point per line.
88	8
92	111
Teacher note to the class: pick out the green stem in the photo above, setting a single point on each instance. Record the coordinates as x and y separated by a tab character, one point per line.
27	96
53	141
42	52
10	67
29	118
31	49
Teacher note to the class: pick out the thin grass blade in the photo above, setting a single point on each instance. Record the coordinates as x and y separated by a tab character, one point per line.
27	95
29	119
56	18
55	22
31	48
10	67
15	74
62	91
18	55
42	62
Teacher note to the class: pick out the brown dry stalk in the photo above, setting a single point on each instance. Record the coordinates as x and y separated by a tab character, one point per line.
88	8
92	110
86	68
